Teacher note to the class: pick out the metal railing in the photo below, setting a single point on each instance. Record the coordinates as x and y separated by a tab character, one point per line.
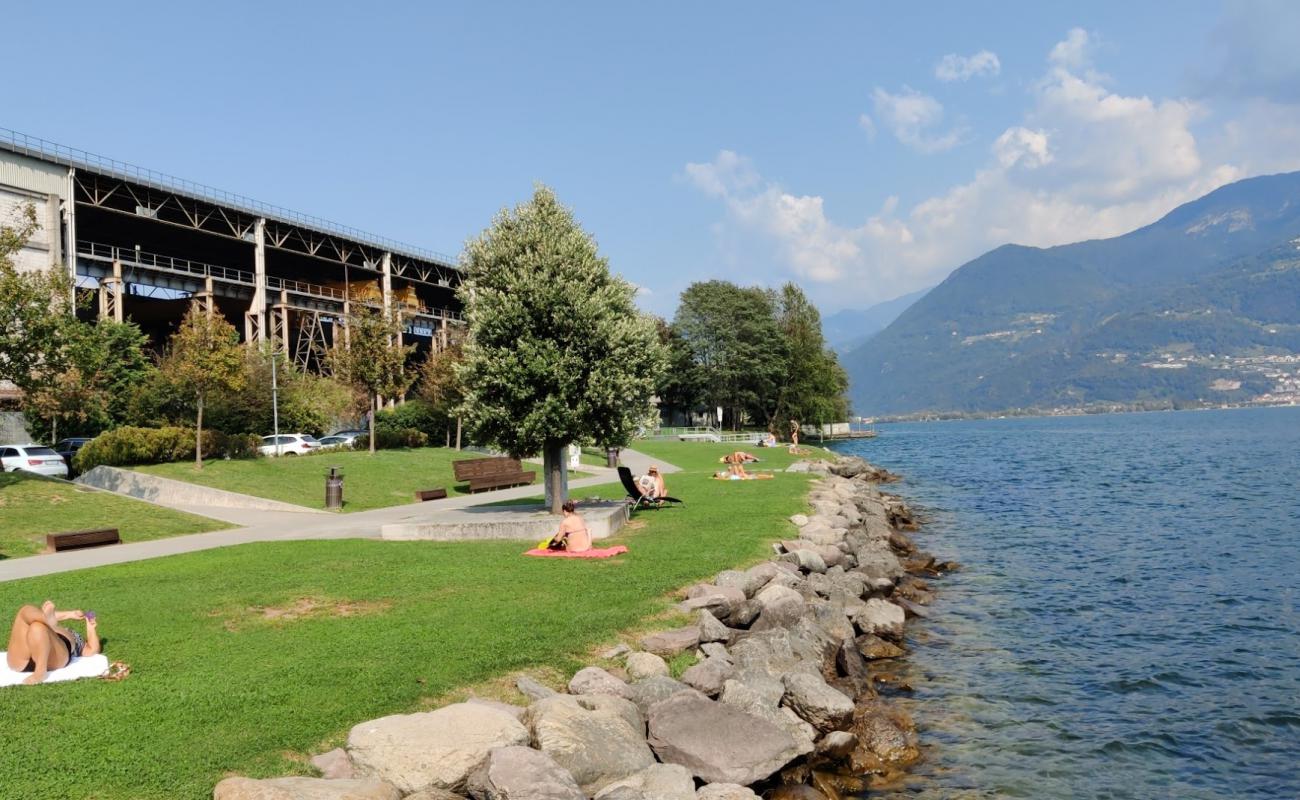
706	434
182	266
36	147
302	287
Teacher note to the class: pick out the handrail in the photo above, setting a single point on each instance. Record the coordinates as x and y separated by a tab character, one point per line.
37	147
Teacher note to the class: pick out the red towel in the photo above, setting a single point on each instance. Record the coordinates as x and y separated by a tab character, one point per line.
595	552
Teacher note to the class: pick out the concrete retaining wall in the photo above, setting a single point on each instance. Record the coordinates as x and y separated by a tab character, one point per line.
506	522
169	492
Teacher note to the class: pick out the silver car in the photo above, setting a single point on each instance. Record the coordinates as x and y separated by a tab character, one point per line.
32	458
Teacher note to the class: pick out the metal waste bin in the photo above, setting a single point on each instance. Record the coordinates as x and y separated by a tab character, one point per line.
334	488
611	457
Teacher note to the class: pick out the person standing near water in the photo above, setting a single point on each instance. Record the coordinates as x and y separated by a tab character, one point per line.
794	434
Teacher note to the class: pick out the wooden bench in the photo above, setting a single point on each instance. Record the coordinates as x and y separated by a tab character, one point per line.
491	473
430	494
74	540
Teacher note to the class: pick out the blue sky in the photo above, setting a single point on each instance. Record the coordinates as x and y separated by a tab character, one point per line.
863	150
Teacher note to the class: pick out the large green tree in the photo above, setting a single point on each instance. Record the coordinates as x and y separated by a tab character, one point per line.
372	359
814	387
440	385
204	357
556	352
737	346
35	310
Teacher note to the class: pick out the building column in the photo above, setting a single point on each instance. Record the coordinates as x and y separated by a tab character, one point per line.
280	325
69	214
110	294
386	264
255	317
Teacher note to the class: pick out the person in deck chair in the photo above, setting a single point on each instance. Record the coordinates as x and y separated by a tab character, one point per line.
572	535
652	485
38	643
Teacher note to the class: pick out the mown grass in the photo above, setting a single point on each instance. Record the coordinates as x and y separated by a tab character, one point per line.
387	478
32	506
221	686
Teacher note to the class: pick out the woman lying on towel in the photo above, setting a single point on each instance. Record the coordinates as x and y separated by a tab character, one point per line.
38	643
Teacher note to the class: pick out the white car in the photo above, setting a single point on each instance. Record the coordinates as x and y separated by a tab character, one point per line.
339	441
32	458
289	444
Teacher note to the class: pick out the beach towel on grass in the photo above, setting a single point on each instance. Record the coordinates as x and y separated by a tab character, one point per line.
88	667
595	552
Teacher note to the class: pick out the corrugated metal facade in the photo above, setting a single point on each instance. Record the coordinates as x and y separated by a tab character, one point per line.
28	174
25	180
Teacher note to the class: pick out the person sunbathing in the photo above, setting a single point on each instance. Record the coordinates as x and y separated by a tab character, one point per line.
38	643
572	535
652	485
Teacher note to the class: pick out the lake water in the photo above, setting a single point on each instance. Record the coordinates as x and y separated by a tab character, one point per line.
1125	625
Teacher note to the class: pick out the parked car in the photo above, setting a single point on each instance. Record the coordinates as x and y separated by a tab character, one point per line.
288	444
69	447
339	441
353	432
32	458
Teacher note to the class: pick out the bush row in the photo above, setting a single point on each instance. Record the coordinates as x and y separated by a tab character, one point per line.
127	445
392	438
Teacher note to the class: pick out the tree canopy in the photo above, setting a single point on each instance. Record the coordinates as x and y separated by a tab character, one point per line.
557	351
205	357
372	360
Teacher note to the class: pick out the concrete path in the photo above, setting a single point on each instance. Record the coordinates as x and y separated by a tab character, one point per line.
273	526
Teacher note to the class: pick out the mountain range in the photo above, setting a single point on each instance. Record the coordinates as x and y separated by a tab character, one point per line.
1200	307
848	329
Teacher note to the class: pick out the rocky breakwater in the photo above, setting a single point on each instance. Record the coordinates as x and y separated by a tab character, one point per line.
782	701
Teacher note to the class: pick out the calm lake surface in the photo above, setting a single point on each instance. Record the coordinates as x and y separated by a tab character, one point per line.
1125	625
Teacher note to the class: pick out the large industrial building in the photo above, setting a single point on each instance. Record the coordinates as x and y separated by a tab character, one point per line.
148	244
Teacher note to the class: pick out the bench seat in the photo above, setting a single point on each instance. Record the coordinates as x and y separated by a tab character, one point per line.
75	540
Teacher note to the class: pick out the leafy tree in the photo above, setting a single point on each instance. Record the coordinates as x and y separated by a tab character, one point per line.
557	352
815	386
682	386
71	397
439	383
33	312
733	336
205	358
373	361
307	402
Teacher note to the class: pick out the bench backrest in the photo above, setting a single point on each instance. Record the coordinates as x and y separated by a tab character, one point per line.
484	467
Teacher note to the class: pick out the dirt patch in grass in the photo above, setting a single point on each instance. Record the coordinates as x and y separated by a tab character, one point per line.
301	608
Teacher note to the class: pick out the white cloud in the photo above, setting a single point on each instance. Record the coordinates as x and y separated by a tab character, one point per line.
911	115
867	124
1085	161
953	67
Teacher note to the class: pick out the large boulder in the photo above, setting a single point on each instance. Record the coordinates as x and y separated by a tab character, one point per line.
596	746
671	642
435	749
515	711
881	618
647	692
305	789
760	697
873	647
643	665
821	705
532	689
886	738
718	599
711	630
708	675
718	742
334	764
655	782
522	773
594	680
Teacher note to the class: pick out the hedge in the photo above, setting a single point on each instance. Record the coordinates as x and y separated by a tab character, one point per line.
127	445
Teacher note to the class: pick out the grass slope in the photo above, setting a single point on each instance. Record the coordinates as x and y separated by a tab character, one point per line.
218	687
387	478
32	506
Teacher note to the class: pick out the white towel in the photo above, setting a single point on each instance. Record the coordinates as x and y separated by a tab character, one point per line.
88	667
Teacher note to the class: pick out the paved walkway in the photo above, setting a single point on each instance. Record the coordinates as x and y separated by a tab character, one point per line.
274	526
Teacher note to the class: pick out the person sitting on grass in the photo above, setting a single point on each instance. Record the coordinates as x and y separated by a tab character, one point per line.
38	643
572	535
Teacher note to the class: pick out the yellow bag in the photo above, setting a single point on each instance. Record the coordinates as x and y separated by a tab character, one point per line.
543	544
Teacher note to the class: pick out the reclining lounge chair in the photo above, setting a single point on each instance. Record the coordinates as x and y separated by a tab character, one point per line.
636	496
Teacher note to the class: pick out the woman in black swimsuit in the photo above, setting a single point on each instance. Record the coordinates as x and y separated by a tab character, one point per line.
38	643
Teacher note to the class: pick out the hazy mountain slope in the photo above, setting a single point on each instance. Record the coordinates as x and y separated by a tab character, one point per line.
1131	319
845	330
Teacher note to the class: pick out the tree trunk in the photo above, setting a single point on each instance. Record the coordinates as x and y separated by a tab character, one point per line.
198	437
458	434
374	399
54	428
557	476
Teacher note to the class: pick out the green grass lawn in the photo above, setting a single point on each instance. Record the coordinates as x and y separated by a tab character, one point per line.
703	456
224	682
32	506
387	478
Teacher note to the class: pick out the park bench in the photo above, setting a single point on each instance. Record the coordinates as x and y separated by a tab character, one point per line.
430	494
491	473
74	540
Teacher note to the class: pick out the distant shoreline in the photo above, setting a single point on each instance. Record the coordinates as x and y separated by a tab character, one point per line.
1075	411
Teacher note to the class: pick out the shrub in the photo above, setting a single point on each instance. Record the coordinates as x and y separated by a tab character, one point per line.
416	414
123	446
392	438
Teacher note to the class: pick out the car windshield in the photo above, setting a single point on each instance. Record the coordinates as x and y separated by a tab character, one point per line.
331	440
40	451
311	439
